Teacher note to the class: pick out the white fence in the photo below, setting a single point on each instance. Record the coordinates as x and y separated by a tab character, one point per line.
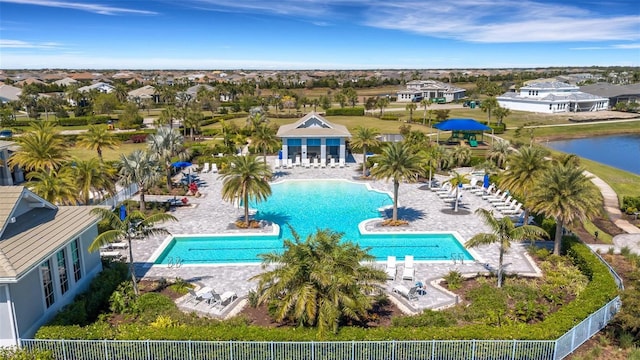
122	195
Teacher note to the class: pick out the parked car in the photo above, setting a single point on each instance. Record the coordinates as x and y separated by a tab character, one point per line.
4	134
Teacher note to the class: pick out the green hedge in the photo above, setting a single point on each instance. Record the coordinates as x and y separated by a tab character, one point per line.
84	120
391	117
354	111
598	292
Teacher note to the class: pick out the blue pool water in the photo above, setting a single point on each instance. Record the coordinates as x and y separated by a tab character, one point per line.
308	206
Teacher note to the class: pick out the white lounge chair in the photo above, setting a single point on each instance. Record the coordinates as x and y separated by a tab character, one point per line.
515	211
409	272
119	245
205	168
297	161
507	206
323	163
391	268
276	163
341	163
214	167
332	162
410	294
497	195
289	164
316	163
471	185
306	163
115	255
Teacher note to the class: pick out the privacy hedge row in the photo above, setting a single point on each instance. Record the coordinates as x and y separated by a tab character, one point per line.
348	111
598	292
84	120
391	117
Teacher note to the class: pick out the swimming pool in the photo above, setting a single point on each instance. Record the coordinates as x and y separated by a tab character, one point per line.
308	206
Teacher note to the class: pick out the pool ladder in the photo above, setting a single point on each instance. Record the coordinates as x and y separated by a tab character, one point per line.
457	257
171	262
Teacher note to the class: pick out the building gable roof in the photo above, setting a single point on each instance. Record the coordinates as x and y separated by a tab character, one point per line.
313	125
33	229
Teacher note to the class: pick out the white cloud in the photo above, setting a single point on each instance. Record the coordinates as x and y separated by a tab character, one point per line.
19	44
503	21
94	8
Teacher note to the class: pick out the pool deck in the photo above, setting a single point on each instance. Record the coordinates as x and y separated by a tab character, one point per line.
209	214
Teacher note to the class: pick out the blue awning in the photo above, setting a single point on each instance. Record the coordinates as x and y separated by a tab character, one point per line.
461	125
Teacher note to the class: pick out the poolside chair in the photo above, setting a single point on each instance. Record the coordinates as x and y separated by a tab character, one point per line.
323	163
114	255
507	206
506	199
445	188
409	272
316	163
306	163
205	168
497	195
297	161
516	211
332	162
471	185
448	194
391	268
204	294
341	163
119	245
289	164
214	167
483	191
276	163
410	294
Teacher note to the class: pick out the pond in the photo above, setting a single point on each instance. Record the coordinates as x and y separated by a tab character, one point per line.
619	151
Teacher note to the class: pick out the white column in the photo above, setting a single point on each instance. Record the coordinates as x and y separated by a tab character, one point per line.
343	149
323	148
285	150
304	148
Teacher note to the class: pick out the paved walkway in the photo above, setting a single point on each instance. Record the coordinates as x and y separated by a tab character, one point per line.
631	239
210	215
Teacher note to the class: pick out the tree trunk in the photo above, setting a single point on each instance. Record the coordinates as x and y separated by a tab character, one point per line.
245	198
142	207
500	259
132	268
455	205
364	160
430	181
558	238
396	186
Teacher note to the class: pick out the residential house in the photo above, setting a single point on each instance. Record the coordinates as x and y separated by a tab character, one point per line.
9	93
44	262
9	175
146	92
313	137
99	86
552	97
436	91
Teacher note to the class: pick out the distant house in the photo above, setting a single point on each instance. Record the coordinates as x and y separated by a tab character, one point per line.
44	262
144	93
436	91
99	86
313	137
552	97
9	175
615	93
9	93
66	81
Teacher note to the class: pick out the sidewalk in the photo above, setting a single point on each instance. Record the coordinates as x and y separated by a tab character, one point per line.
631	239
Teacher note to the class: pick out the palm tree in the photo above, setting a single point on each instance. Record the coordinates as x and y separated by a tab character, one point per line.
524	169
246	179
461	155
264	138
411	106
319	281
382	103
92	176
488	105
256	119
134	225
165	144
504	232
364	138
501	113
57	186
140	168
457	180
499	152
425	103
97	138
39	149
566	194
400	163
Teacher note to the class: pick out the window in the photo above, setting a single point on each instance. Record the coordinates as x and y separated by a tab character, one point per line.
62	271
75	257
47	282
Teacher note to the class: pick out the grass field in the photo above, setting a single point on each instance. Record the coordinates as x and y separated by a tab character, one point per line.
107	154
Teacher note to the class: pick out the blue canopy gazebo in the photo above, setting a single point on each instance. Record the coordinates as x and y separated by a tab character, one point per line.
468	127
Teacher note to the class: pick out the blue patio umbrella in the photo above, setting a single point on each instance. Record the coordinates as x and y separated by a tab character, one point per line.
123	212
181	164
279	154
485	183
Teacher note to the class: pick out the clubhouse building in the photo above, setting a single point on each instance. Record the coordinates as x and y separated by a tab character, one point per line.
552	97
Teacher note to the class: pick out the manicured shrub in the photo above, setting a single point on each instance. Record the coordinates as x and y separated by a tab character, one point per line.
390	117
630	204
347	111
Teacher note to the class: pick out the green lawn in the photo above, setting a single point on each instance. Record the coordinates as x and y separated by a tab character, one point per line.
108	154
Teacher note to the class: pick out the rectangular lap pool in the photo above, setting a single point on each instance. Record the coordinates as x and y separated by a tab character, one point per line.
221	249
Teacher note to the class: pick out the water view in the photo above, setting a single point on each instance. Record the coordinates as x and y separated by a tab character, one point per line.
620	151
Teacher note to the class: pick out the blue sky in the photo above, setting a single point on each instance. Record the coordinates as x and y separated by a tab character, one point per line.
317	34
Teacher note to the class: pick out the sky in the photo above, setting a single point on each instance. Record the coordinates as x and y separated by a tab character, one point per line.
317	34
